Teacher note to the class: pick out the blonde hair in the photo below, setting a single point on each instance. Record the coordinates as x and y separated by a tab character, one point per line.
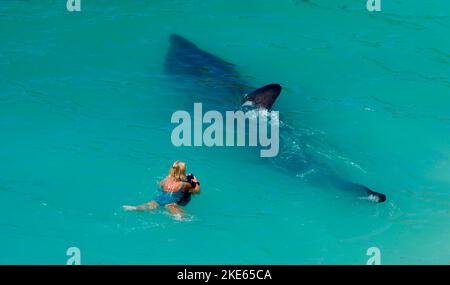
178	171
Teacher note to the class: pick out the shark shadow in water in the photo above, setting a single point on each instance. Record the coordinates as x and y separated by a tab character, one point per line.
218	83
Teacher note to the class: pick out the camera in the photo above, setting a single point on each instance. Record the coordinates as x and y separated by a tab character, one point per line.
189	178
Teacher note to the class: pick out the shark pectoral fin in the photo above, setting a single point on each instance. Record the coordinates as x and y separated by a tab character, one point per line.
265	96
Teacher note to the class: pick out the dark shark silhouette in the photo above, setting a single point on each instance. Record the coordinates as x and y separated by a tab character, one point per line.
219	82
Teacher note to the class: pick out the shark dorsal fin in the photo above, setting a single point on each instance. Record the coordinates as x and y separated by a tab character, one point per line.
265	96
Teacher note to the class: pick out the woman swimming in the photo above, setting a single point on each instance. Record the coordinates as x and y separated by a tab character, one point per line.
177	189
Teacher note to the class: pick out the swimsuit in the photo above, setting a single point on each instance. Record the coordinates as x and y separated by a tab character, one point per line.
166	197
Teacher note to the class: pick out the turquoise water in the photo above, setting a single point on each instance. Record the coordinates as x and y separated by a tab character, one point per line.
85	127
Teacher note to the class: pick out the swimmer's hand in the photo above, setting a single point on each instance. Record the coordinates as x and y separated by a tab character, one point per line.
191	179
129	208
194	183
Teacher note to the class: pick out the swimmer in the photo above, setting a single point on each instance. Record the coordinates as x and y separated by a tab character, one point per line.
177	189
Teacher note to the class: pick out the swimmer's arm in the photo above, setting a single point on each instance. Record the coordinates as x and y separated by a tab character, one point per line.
196	189
162	182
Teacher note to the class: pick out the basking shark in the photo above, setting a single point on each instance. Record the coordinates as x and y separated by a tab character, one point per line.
217	82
